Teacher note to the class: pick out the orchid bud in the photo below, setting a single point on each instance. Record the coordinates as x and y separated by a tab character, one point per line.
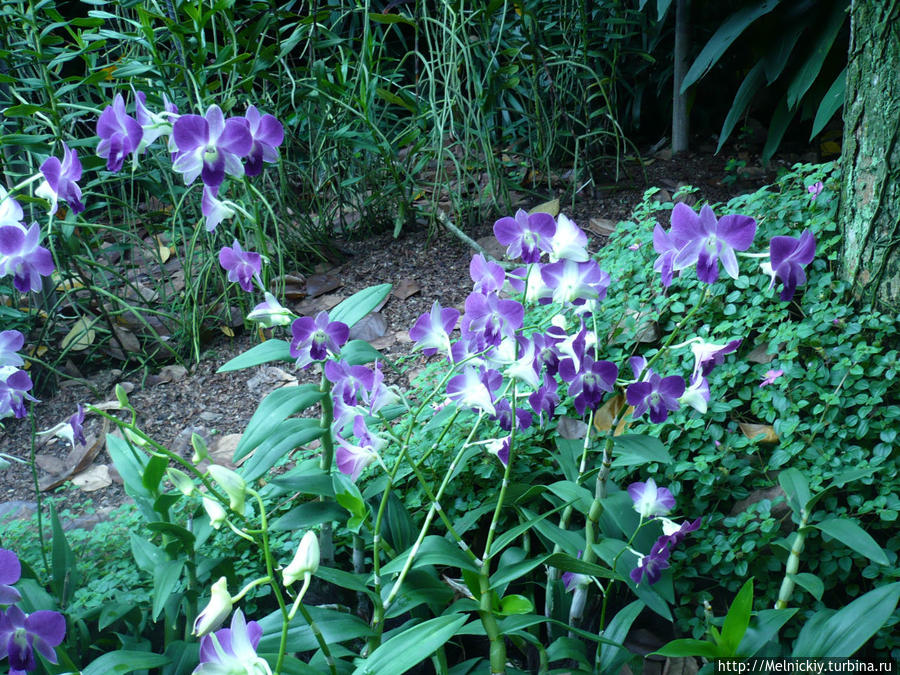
306	560
122	396
215	613
181	481
134	438
233	485
201	452
216	513
270	313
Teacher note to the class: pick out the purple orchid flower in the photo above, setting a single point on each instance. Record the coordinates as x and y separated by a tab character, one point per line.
499	447
546	353
472	389
708	240
571	580
352	458
432	331
242	266
153	125
267	133
708	355
503	414
697	395
120	134
589	382
210	146
76	422
667	245
487	276
21	635
575	282
659	394
14	387
23	257
814	190
60	181
545	399
232	649
314	339
11	341
214	210
10	573
650	566
489	319
526	236
378	394
788	256
673	533
650	500
347	381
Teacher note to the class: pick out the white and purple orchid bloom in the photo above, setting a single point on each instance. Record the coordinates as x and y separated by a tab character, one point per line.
61	181
569	242
787	257
571	282
210	146
697	394
515	358
499	447
267	133
379	394
10	210
475	389
571	580
673	533
352	458
11	341
10	572
72	430
526	236
814	190
270	313
589	381
22	256
348	382
503	415
546	354
487	276
708	355
489	319
120	134
703	240
650	566
431	332
658	394
314	339
14	387
651	500
667	245
213	209
770	377
233	650
352	383
216	611
21	635
242	266
153	124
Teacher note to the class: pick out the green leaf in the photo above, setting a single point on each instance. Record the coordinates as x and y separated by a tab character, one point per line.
65	571
124	661
796	488
348	580
184	536
638	449
285	437
434	550
840	634
779	123
147	556
611	658
390	18
154	470
511	535
745	94
335	626
130	463
777	55
307	515
360	352
405	650
811	583
21	110
275	408
852	535
728	32
737	620
573	493
354	308
679	648
306	478
515	604
825	36
831	102
761	631
348	495
567	563
270	350
165	578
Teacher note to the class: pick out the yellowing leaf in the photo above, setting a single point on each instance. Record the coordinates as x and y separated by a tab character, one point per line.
551	207
227	330
606	415
751	431
81	336
69	285
164	250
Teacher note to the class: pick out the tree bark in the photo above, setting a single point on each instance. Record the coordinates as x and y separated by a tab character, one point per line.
680	119
869	212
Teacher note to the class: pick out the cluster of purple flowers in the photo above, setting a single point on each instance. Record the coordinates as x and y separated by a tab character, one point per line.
21	255
23	636
703	241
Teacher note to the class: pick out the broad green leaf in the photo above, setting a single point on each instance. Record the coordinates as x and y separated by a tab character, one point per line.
399	529
796	488
153	472
728	32
745	94
611	658
824	37
21	110
184	536
811	583
737	620
335	626
434	550
165	579
354	308
777	55
515	604
831	102
307	515
124	661
403	651
566	563
852	535
573	493
307	478
763	629
275	408
841	634
285	437
348	580
360	352
511	535
348	495
130	463
183	655
270	350
638	449
147	556
688	647
390	18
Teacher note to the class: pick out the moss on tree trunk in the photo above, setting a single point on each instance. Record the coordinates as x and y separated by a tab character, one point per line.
870	190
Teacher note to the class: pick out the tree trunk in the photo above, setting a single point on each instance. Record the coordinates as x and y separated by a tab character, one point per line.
869	213
679	100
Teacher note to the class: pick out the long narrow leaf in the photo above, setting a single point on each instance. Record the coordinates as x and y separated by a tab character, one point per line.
809	71
831	102
412	646
745	93
270	350
275	408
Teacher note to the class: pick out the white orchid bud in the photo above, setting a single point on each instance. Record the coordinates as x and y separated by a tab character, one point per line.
215	613
233	485
306	560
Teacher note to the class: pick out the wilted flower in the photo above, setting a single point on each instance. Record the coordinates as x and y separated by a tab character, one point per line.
771	376
210	146
242	266
673	533
314	339
703	240
305	562
22	634
232	651
60	181
10	572
525	236
120	134
267	133
788	256
650	500
71	430
216	611
23	257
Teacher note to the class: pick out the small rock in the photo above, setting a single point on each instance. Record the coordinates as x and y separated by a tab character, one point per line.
209	416
17	510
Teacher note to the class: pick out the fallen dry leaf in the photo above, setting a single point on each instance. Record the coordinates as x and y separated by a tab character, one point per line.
607	413
551	207
294	286
95	478
602	226
406	288
319	284
80	336
570	428
50	463
371	327
751	431
760	354
222	450
383	342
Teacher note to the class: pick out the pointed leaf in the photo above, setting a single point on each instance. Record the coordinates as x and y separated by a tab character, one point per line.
824	36
745	94
354	308
737	620
124	661
796	488
275	408
270	350
852	535
405	650
765	627
165	578
831	102
611	657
